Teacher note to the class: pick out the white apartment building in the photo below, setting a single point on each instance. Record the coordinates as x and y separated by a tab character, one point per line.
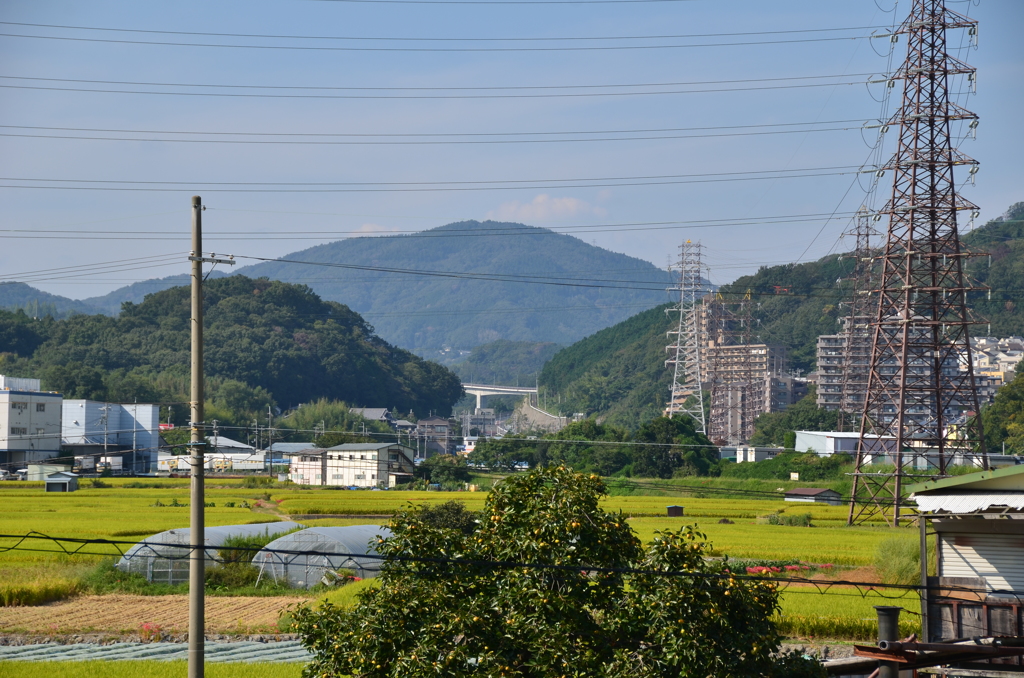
29	422
354	465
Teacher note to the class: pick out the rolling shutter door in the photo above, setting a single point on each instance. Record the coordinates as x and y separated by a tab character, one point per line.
998	559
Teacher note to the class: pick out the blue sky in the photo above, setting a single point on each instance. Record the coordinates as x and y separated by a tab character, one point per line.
267	224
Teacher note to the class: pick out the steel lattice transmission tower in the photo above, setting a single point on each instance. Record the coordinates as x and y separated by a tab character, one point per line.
687	396
921	409
856	351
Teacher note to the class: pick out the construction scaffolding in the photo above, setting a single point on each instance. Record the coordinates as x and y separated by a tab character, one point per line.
685	353
921	409
738	370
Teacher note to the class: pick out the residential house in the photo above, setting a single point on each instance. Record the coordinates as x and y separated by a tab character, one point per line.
354	465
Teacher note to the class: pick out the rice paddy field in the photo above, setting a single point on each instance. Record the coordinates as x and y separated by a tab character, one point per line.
126	512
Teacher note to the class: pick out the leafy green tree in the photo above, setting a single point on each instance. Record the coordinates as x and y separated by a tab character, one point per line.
504	454
673	445
451	514
1003	420
444	469
458	603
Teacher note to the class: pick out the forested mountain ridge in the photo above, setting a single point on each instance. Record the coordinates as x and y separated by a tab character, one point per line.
619	373
551	287
270	340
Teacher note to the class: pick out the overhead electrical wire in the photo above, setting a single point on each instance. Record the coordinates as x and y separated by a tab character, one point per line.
496	92
439	186
93	234
334	48
373	135
319	142
437	39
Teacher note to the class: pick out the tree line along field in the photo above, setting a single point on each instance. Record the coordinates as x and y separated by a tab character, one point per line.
125	513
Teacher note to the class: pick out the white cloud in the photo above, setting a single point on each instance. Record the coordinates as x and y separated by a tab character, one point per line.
544	208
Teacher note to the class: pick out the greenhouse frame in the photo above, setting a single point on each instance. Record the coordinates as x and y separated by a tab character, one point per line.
164	557
308	557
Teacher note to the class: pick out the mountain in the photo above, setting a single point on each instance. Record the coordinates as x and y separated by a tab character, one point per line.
619	373
266	342
37	304
110	304
489	281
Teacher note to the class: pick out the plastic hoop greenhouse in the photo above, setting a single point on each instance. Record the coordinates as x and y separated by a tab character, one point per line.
164	557
306	557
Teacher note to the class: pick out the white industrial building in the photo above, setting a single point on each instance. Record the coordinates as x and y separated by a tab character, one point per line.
354	465
132	430
29	422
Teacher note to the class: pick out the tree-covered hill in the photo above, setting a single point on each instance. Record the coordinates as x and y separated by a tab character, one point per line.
506	363
36	303
264	339
428	312
619	372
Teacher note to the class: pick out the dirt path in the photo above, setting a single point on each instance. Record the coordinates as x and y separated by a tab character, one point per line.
126	613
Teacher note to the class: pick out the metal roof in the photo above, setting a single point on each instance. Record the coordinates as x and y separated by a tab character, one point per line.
1010	478
968	502
356	447
810	491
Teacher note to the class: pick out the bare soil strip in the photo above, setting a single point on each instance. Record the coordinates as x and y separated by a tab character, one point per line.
127	613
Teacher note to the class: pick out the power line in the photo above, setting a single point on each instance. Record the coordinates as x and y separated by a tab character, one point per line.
439	186
436	39
442	89
434	134
433	233
422	143
419	96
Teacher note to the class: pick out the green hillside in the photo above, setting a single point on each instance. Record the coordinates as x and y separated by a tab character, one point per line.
36	303
426	313
619	372
506	363
265	341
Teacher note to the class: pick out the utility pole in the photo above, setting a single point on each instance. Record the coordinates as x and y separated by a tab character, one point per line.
197	517
921	410
197	443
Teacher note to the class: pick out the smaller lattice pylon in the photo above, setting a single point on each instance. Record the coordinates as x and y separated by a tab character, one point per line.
685	353
856	350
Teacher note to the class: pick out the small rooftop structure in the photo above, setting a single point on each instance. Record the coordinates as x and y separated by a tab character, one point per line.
62	481
164	557
814	495
305	557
